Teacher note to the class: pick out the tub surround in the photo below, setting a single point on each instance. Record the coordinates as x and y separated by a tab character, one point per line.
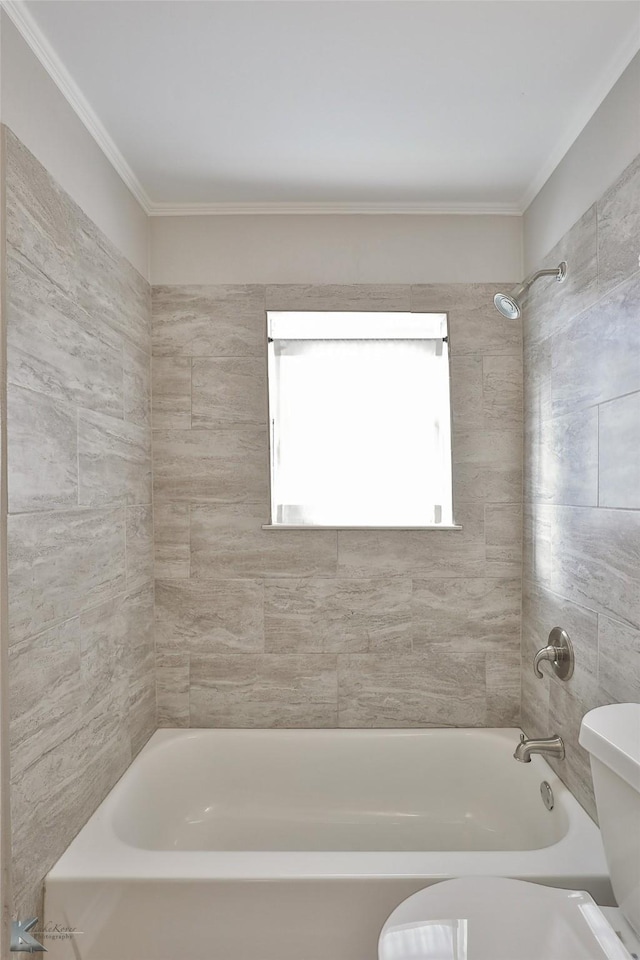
582	474
81	656
328	627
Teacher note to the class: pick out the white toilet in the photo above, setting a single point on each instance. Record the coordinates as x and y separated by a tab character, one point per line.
493	918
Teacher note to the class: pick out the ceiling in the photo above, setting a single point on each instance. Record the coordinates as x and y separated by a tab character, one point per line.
346	104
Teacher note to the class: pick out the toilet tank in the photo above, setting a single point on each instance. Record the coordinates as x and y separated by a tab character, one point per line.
611	734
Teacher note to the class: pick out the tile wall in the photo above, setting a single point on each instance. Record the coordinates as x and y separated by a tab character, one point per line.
582	473
329	628
81	658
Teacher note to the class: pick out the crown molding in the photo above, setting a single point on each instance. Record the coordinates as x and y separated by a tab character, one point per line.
333	209
32	34
30	31
619	64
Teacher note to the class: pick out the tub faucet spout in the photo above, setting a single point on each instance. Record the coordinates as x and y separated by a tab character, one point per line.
547	746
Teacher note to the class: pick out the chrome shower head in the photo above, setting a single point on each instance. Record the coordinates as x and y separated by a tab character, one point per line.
508	304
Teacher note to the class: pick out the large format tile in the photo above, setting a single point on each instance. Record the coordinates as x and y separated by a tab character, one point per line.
619	452
337	616
227	463
618	660
227	540
263	691
466	612
171	382
61	563
618	229
502	390
475	326
595	358
109	289
52	347
210	616
114	461
171	540
595	560
537	533
503	533
172	690
487	465
104	647
42	445
503	689
45	692
41	220
417	553
553	304
209	321
137	386
351	296
563	460
139	532
232	389
415	690
467	409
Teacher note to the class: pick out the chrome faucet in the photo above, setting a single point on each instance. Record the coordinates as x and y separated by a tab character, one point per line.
549	746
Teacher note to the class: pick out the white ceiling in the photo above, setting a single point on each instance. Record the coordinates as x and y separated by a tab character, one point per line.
453	104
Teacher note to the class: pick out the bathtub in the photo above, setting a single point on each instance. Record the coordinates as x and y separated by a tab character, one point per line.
297	844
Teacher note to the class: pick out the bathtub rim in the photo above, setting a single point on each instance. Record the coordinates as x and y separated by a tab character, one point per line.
97	853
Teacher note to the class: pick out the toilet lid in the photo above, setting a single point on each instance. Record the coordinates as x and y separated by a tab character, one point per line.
492	918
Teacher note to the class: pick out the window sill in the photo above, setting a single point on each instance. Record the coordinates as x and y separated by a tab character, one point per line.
333	526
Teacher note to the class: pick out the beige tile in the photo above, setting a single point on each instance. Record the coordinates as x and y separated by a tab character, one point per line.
619	453
227	541
137	386
139	533
103	663
478	611
263	691
503	690
172	691
618	228
171	393
52	347
487	465
466	392
418	553
109	289
211	616
61	563
171	540
475	326
114	461
562	462
227	463
553	304
537	531
209	321
502	390
338	297
411	691
42	452
40	219
618	660
45	692
337	616
232	389
503	532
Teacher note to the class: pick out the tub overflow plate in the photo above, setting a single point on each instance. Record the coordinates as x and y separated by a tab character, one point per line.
547	795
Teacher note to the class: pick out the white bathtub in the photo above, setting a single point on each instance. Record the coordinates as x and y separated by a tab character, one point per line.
297	844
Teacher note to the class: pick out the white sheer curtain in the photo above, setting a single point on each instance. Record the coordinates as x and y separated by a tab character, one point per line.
361	432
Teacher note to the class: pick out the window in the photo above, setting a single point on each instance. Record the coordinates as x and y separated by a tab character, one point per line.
360	419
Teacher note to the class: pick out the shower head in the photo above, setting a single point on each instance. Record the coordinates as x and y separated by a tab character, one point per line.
508	304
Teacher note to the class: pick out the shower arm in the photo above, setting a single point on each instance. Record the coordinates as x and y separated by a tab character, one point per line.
558	272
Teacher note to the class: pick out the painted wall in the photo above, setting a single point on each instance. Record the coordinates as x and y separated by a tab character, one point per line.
37	112
335	249
328	628
606	146
582	473
81	654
